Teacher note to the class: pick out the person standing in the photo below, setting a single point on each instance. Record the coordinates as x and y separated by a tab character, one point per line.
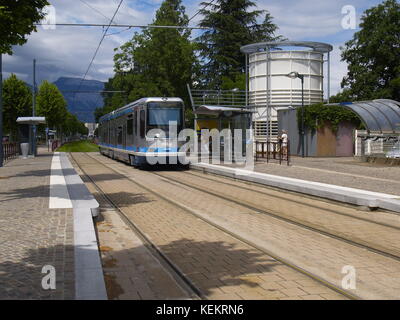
284	138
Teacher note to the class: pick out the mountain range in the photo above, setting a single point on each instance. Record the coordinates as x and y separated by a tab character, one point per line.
85	103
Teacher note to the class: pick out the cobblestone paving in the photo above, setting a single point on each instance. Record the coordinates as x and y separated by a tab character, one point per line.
32	235
377	276
221	266
130	270
346	172
347	222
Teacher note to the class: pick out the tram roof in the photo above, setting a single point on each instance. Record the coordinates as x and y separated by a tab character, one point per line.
129	107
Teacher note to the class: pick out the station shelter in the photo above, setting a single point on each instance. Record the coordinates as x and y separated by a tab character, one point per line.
27	133
225	111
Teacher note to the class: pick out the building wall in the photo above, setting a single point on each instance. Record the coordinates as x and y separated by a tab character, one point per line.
326	142
287	120
345	140
318	143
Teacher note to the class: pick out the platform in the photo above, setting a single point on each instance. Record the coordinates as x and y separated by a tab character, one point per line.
46	220
329	183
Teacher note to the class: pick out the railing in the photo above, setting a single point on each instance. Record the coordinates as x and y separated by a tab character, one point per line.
273	151
224	98
10	150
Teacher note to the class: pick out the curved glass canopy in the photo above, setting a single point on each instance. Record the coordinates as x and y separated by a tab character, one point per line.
378	116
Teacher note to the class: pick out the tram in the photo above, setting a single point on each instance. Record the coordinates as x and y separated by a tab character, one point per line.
144	132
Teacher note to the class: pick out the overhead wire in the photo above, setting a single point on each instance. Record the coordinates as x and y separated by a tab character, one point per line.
97	49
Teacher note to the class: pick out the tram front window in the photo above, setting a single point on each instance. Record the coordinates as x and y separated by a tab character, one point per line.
159	116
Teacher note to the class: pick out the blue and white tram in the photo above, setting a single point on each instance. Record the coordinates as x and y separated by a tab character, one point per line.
127	134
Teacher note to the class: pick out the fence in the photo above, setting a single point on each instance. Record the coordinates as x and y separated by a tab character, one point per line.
374	145
273	151
10	150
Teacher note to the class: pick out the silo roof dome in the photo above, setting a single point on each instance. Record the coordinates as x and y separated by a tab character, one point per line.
315	46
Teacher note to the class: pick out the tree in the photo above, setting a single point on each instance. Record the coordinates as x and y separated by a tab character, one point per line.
17	100
52	105
156	62
233	25
17	20
373	55
73	126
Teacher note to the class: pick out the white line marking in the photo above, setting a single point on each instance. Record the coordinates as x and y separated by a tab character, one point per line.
59	196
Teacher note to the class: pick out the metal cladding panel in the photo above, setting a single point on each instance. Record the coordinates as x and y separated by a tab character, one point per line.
284	91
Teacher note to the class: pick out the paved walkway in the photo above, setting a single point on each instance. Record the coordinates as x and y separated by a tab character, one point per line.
346	172
32	235
131	272
221	266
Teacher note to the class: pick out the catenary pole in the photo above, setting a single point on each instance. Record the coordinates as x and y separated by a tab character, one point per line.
33	108
1	112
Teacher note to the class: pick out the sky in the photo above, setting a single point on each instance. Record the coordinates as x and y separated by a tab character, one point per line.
67	51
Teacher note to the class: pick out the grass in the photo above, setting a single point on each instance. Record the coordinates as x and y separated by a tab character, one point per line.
79	146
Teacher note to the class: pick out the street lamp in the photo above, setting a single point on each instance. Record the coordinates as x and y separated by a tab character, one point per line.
295	75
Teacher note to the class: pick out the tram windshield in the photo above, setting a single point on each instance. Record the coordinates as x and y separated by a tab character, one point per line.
161	114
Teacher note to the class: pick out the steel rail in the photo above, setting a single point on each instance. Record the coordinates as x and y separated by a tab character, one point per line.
287	220
172	269
285	199
233	235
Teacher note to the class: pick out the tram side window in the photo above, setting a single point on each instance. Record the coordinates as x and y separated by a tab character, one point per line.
142	123
129	129
119	135
107	132
134	123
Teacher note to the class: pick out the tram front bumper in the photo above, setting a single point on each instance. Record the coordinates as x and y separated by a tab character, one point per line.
165	157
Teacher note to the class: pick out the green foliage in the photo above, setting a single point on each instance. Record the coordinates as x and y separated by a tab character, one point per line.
233	25
17	102
17	20
317	115
156	62
343	96
72	126
235	81
79	146
373	55
52	105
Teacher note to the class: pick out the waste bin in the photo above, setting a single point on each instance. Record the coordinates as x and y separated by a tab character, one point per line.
24	150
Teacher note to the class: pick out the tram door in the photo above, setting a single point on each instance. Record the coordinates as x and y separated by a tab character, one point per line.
124	135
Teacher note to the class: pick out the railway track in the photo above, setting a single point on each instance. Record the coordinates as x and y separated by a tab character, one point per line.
172	266
297	222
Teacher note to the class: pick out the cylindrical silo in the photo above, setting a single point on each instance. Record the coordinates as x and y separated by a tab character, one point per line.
269	87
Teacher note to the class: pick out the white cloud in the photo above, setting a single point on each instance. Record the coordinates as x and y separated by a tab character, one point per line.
67	51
